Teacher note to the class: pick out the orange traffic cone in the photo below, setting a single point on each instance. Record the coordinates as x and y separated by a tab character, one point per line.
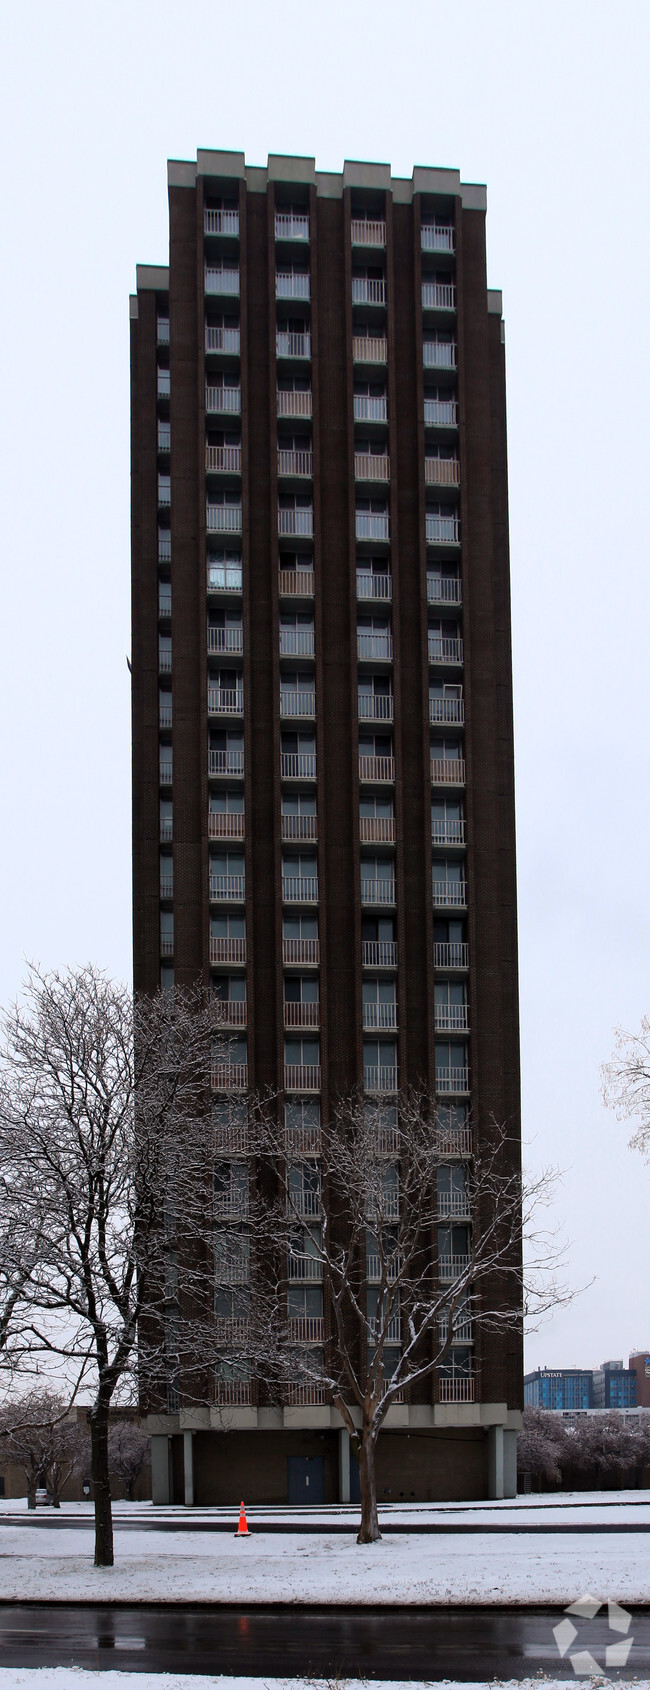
242	1529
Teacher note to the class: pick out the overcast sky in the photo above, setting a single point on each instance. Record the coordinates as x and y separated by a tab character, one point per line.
548	104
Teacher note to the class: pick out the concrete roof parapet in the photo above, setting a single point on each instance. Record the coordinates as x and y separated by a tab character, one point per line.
284	167
358	174
181	173
213	163
152	276
427	180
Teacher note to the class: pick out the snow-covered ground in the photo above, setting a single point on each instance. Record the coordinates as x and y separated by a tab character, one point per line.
75	1678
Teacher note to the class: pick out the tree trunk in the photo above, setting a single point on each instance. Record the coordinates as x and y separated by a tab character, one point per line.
369	1530
101	1485
31	1495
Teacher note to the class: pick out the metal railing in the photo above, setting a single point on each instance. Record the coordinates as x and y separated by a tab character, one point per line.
166	887
302	1141
291	226
227	950
166	830
163	384
454	1204
225	701
444	648
164	546
164	491
439	355
449	894
450	953
164	605
298	765
220	222
376	891
295	522
307	1204
294	703
460	1389
299	1076
223	401
381	1017
377	830
164	716
291	284
227	888
300	888
224	578
231	1012
234	1392
371	586
223	459
225	639
233	1330
231	1139
301	1014
447	832
293	404
218	339
438	296
440	413
231	1205
442	472
305	1396
166	944
451	1267
446	710
368	231
379	1079
232	1270
296	583
226	762
437	237
162	331
295	463
442	530
378	646
457	1141
292	344
379	953
165	772
444	589
296	642
375	707
305	1268
229	1076
221	278
451	1017
164	662
450	1082
392	1267
370	407
307	1328
380	769
300	827
226	824
223	519
368	290
369	349
447	771
301	951
371	466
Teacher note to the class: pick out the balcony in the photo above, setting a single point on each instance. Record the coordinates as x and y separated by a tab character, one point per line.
378	953
162	331
442	530
300	827
446	710
292	345
438	296
225	640
447	832
224	578
235	1331
452	954
375	646
307	1204
441	413
223	460
291	284
375	707
166	888
305	1396
296	522
305	951
300	889
298	765
227	888
454	1141
223	519
382	1080
307	1329
377	830
167	944
231	1206
453	1205
437	237
164	491
451	1268
296	583
301	1014
368	290
445	649
379	1017
232	1269
294	703
163	383
231	1139
439	355
368	231
444	589
371	466
369	349
166	830
225	701
296	642
226	824
220	222
442	472
379	769
376	1269
452	1082
377	587
295	463
222	279
460	1389
164	606
234	1392
227	950
375	891
451	1018
222	340
291	226
293	404
226	762
231	1013
449	894
165	773
164	545
447	771
164	662
223	401
370	409
302	1141
164	716
305	1268
229	1076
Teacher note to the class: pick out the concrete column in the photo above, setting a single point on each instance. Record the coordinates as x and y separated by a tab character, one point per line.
160	1489
344	1464
495	1462
509	1463
188	1468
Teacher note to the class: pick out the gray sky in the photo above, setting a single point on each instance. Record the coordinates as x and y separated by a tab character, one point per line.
549	106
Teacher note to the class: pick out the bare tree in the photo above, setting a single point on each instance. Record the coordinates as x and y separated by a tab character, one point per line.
37	1433
128	1450
542	1445
626	1083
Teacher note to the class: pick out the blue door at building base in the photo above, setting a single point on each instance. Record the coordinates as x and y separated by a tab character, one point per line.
305	1478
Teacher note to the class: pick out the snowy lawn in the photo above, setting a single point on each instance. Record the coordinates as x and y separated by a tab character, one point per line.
75	1678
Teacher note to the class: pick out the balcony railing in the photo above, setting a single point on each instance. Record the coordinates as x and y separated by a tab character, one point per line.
164	662
296	642
227	950
449	894
307	1329
164	605
289	344
368	231
379	1017
447	832
220	222
225	701
379	1079
226	762
164	716
376	891
437	237
451	1017
369	349
379	646
452	953
236	1393
452	1082
231	1206
300	888
293	404
379	953
166	887
305	1396
291	226
298	765
165	773
226	824
301	951
232	1270
305	1268
166	944
164	545
442	530
454	1204
166	830
442	472
300	1076
440	413
227	888
447	771
371	586
445	649
231	1012
231	1138
296	583
375	707
300	522
291	285
368	290
451	1267
223	519
444	589
294	703
218	339
302	1141
301	1014
235	1331
223	460
377	830
375	1269
164	491
439	355
222	278
300	827
438	296
229	1076
162	331
371	466
370	408
446	710
224	578
225	639
295	463
307	1204
380	769
460	1389
223	401
457	1141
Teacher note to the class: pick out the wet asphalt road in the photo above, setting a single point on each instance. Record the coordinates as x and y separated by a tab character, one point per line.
389	1643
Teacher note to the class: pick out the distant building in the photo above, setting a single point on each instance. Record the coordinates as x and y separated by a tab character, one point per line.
559	1388
614	1386
571	1389
640	1367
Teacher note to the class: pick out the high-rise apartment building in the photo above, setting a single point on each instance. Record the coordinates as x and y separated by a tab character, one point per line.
322	718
